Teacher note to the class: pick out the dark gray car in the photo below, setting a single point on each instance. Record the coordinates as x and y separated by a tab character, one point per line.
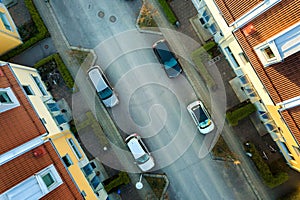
167	58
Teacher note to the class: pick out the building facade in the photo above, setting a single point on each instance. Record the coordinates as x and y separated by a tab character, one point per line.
261	41
30	166
84	172
9	35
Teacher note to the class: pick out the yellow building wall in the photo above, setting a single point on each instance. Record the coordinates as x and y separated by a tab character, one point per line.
9	38
60	142
285	132
24	76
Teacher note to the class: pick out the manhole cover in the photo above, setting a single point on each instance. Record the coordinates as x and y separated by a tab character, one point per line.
112	19
101	14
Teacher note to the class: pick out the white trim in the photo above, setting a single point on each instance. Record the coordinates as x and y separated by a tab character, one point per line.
265	61
291	103
7	106
53	173
253	13
19	150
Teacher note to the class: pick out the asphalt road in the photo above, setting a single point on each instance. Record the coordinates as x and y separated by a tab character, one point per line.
150	103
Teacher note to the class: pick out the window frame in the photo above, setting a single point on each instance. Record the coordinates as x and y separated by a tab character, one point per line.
69	160
7	100
262	55
40	85
51	170
75	149
29	89
6	22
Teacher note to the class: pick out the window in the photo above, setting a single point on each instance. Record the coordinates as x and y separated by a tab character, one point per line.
60	119
206	16
75	149
231	57
244	58
88	169
67	160
4	98
53	107
48	180
212	28
95	182
28	90
268	53
5	21
8	100
40	85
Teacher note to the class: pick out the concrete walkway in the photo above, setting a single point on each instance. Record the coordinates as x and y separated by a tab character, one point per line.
32	55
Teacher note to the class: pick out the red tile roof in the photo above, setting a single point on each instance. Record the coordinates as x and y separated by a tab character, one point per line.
292	118
234	9
27	165
282	79
19	124
275	20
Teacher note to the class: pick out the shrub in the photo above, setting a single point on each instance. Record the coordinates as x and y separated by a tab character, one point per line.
63	70
168	11
121	179
42	32
270	179
243	111
209	45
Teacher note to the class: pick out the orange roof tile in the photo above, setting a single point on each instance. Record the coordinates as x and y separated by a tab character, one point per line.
292	118
233	9
19	124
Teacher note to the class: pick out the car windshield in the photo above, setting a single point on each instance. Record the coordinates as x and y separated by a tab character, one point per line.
200	115
142	159
205	123
171	63
106	93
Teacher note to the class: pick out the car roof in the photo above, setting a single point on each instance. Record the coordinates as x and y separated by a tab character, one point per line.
163	51
135	147
199	112
97	78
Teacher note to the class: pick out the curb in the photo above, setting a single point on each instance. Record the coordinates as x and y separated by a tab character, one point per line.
144	31
161	176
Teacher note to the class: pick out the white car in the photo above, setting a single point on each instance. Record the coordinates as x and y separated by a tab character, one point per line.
102	86
140	152
201	117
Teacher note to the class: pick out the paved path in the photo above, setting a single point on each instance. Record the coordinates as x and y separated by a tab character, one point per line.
32	55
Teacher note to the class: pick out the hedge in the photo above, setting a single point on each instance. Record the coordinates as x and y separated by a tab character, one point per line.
270	179
209	45
121	179
243	111
63	70
168	11
42	32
